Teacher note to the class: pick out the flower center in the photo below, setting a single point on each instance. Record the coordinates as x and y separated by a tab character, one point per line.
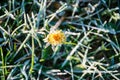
57	37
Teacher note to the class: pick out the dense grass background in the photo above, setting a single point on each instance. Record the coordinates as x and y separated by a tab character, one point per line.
91	50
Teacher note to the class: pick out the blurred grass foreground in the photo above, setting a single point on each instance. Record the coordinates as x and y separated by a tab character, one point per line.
59	39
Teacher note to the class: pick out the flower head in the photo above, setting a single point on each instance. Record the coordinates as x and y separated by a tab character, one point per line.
56	37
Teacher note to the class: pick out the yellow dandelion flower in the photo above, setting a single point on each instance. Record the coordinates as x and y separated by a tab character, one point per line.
55	38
